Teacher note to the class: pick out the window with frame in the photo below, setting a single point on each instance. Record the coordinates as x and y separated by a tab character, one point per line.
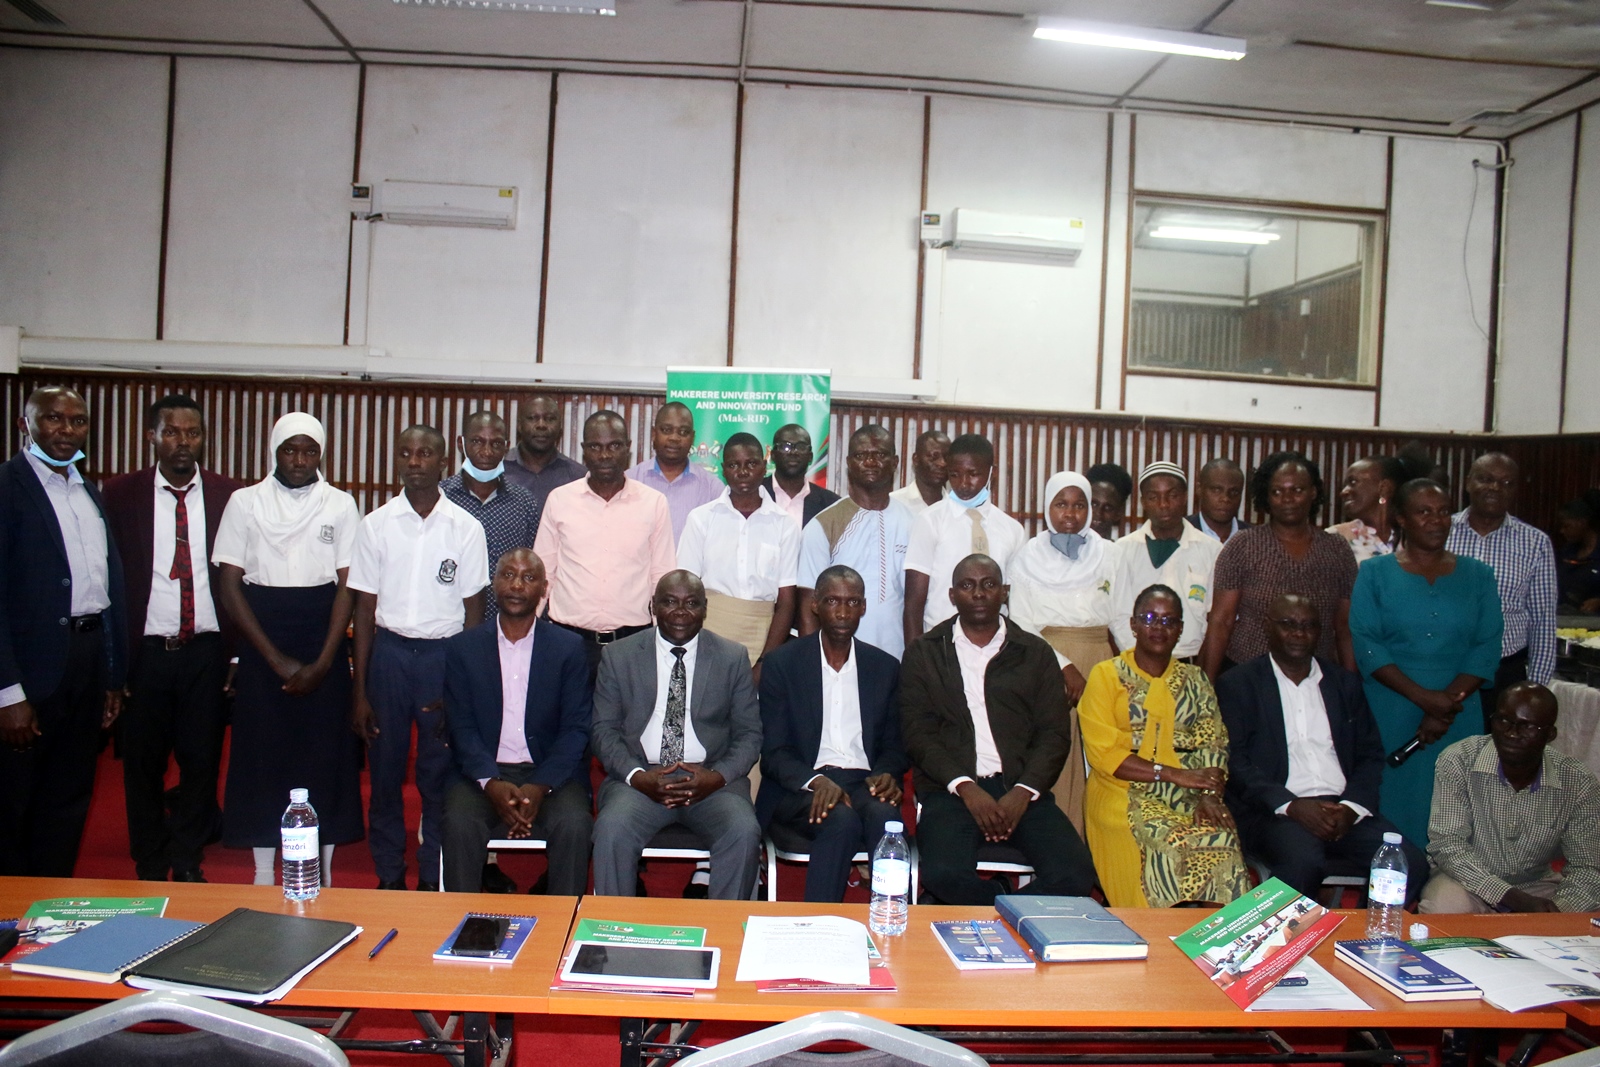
1254	291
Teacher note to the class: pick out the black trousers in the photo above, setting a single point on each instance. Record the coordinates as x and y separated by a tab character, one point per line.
594	648
835	841
948	838
1513	668
1302	859
565	823
45	789
175	710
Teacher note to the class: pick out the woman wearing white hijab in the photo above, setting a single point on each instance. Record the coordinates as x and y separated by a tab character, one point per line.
1061	590
284	546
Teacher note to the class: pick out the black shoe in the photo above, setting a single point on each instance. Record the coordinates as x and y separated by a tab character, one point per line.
540	887
188	876
398	883
427	887
696	891
497	881
152	876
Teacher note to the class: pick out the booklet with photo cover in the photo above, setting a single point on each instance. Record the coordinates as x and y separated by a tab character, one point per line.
1522	971
55	919
1247	946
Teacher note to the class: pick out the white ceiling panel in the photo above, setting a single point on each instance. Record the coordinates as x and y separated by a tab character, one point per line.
288	22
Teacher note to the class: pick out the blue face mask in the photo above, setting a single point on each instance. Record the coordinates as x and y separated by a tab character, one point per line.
484	476
59	464
1067	544
980	498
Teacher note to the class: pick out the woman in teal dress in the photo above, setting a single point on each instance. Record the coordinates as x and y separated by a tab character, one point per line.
1426	628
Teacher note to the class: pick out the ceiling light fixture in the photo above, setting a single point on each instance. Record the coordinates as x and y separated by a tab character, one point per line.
1107	35
515	5
1201	233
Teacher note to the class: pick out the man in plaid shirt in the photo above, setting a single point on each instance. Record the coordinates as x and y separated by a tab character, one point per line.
1504	807
1524	568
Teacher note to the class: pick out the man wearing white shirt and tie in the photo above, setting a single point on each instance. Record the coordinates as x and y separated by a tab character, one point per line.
420	573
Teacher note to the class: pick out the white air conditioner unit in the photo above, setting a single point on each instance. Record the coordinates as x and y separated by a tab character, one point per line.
492	207
992	233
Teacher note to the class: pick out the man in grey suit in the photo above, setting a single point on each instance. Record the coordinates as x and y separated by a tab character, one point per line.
677	727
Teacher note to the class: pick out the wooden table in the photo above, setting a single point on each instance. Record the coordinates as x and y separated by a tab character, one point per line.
404	975
1164	992
1542	924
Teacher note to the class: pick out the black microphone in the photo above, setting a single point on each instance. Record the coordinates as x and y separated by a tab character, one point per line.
1406	751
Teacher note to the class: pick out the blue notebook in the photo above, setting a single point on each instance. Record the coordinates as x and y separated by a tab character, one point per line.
107	950
518	927
1403	971
981	945
1062	929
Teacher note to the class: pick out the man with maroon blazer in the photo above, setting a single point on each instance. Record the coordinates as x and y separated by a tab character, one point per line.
178	657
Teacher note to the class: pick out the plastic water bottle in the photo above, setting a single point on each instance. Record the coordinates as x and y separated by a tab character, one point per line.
891	882
1386	889
302	856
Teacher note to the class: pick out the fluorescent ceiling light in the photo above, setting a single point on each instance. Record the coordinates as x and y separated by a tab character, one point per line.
597	8
1200	233
1205	45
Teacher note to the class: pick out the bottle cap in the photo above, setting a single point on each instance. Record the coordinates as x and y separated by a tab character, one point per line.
1391	838
894	827
1419	932
299	796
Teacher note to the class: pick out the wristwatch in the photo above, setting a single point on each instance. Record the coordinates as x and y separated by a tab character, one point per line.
1157	777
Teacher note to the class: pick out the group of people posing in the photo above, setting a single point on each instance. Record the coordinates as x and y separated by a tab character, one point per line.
757	654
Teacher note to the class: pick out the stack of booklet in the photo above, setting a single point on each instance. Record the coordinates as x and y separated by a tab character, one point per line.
1522	971
1247	946
1403	971
55	919
592	932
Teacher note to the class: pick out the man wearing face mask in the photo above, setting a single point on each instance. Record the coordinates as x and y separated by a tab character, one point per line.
508	513
62	647
948	532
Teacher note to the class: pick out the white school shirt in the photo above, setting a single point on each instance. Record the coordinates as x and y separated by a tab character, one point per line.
841	744
164	617
420	568
942	537
1188	571
1314	769
911	496
747	558
311	559
650	736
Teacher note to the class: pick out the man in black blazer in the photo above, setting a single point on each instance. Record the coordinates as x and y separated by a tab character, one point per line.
177	651
62	645
984	717
831	756
787	485
517	703
1304	758
1218	491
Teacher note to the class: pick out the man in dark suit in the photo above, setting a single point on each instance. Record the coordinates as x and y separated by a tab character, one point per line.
984	717
831	756
1304	758
62	646
517	701
1218	491
677	728
787	484
177	653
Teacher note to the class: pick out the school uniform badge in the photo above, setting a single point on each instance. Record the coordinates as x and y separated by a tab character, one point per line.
325	535
447	572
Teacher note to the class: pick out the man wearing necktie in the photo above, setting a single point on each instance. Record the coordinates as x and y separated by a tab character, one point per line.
164	520
677	728
62	646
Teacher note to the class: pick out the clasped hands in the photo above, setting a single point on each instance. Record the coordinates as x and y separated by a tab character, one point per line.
679	785
517	805
826	794
996	818
1324	819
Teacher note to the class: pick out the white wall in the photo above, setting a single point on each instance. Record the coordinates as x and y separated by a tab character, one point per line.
641	228
1583	335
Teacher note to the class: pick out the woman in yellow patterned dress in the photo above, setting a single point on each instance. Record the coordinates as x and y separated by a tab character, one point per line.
1158	758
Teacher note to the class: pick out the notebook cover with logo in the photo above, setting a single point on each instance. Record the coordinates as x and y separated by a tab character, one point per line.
245	951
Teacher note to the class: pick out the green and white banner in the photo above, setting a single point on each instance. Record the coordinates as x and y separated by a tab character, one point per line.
730	400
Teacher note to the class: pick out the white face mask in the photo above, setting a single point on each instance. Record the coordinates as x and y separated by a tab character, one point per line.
60	464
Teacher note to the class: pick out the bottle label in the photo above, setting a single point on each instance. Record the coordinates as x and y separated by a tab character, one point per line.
1387	887
891	878
299	843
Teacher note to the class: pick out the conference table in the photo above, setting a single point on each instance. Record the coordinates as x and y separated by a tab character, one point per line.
1541	924
1163	1008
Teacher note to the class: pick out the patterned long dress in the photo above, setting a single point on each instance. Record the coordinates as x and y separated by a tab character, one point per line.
1147	847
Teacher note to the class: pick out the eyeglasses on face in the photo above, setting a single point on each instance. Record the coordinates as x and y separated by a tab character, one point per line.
1515	727
789	448
1165	622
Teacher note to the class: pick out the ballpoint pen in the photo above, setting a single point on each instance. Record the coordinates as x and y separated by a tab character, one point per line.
388	937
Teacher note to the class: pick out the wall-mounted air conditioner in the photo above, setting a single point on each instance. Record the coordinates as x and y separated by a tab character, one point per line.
993	233
492	207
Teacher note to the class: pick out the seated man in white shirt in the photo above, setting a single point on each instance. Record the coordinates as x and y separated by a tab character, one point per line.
517	698
1305	759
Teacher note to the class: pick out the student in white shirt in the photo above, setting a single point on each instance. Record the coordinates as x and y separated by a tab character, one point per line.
420	574
745	548
929	482
1187	559
961	524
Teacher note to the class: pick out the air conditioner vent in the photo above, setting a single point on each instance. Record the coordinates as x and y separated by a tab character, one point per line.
1502	116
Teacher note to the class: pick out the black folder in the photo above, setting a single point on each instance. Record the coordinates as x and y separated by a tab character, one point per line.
247	955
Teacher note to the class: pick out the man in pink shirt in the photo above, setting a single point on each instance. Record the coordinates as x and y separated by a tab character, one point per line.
605	542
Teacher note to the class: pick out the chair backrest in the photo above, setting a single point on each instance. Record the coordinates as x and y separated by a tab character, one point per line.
780	1044
228	1033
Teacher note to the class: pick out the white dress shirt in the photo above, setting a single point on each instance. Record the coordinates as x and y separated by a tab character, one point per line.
516	659
1189	570
314	556
747	558
83	531
1314	769
911	496
941	537
164	616
650	737
842	744
974	660
793	506
420	568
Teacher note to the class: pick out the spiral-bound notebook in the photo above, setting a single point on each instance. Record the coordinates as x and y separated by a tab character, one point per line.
518	927
107	950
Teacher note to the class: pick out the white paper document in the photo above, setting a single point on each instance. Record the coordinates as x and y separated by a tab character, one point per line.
1322	992
824	948
1522	972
